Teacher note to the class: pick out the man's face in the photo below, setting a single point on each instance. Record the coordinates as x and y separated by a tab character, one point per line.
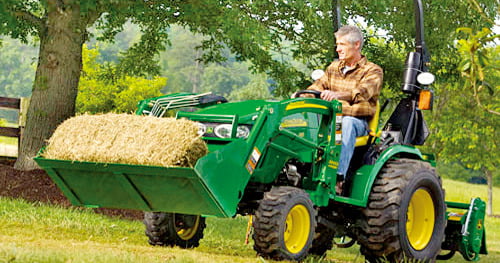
347	51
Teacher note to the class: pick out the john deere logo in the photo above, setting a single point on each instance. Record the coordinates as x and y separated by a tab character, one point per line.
333	164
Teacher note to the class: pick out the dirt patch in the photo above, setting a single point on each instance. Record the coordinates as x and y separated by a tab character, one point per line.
36	186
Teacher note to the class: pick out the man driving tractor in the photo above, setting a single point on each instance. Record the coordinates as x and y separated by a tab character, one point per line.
356	82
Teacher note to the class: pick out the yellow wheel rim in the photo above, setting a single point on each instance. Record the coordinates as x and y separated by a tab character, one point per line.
297	228
420	221
188	233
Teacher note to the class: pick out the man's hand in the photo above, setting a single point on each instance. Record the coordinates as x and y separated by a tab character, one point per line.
329	95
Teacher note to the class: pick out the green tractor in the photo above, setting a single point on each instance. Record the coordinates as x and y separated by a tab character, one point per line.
277	161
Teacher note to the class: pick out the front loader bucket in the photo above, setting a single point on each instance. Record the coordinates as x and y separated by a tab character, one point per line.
139	187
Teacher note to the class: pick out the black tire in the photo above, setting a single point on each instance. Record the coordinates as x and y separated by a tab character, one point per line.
405	215
448	255
327	237
323	240
284	224
171	229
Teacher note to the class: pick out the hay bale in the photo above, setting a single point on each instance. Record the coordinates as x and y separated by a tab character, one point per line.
127	139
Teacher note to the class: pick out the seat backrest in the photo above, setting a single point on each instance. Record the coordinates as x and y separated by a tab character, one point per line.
372	128
373	122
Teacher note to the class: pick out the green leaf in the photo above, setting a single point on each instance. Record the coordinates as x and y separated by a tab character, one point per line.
490	88
466	66
466	30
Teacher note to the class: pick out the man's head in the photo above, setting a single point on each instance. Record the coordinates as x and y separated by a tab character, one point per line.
349	43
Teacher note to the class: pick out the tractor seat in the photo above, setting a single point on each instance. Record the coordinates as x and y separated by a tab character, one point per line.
372	128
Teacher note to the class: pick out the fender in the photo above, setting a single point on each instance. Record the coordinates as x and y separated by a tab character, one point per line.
390	153
364	183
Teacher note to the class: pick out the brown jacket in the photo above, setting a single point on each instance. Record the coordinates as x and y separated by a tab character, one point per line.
363	81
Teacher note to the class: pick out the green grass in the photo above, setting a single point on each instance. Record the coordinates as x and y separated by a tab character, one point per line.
41	233
8	140
34	232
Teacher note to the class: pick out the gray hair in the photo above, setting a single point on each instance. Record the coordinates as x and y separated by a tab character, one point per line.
352	34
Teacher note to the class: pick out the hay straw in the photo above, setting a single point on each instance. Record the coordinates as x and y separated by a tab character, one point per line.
127	139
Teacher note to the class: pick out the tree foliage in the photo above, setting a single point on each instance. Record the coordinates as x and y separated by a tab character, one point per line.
465	122
99	93
62	27
257	88
17	69
480	68
181	63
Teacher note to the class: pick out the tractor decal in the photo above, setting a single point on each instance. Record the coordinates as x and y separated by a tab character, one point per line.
253	160
332	164
303	104
338	129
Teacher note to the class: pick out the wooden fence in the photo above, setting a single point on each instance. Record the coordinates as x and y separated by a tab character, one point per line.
20	104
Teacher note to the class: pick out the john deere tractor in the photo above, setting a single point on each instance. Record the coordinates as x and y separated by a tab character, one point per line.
277	161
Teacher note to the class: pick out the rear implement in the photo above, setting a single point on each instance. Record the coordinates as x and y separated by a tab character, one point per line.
465	231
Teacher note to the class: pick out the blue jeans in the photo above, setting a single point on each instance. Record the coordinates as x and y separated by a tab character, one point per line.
352	127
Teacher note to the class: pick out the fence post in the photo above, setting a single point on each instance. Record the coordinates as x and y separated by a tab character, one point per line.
23	113
21	105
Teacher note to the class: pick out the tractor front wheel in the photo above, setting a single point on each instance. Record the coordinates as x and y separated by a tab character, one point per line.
171	229
405	215
284	224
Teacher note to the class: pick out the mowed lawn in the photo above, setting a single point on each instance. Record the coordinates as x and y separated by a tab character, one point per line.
34	232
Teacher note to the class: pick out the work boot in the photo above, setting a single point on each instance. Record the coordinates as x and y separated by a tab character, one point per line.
339	186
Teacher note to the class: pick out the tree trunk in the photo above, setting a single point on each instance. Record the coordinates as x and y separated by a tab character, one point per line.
489	204
56	81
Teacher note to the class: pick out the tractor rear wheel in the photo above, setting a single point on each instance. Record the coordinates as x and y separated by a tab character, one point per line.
171	229
284	224
405	215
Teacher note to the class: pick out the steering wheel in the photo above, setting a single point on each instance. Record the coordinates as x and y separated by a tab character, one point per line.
308	91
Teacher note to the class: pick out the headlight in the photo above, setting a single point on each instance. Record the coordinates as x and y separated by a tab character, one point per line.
242	132
223	131
202	129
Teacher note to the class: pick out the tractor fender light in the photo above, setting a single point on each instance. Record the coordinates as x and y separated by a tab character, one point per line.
426	78
425	100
